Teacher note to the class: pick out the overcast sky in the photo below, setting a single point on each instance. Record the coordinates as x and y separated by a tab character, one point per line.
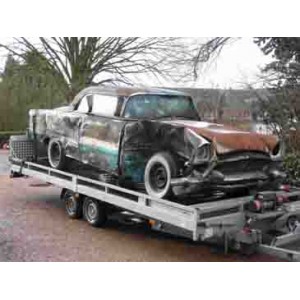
237	65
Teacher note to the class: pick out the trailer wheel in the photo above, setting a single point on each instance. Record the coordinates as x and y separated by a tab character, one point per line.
160	169
94	212
56	155
73	204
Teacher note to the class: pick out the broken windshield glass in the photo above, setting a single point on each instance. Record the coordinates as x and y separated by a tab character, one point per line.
160	106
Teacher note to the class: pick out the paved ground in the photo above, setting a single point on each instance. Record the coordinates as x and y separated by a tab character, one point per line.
34	227
4	166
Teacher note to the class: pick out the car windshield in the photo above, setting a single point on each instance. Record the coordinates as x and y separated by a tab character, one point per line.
160	106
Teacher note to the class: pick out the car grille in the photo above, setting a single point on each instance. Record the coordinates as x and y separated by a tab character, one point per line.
241	166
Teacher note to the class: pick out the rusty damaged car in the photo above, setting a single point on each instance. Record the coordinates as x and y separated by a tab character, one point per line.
153	139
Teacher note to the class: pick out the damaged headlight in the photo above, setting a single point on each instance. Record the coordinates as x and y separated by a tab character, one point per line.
279	151
203	150
203	154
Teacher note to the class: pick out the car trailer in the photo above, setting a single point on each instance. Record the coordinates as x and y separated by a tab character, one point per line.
268	222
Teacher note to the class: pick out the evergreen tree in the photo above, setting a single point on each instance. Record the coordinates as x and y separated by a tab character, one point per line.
26	85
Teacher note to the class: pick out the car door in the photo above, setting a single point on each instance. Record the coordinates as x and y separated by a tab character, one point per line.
100	134
71	126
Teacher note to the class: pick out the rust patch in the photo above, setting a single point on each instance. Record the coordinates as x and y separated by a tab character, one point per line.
227	139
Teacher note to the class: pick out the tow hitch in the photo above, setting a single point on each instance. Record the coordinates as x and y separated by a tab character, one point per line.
285	246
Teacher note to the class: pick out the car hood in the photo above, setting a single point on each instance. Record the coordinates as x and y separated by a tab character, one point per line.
227	139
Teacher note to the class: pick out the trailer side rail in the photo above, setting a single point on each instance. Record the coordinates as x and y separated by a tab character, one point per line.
181	216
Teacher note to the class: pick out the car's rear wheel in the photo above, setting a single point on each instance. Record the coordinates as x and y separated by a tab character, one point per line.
56	155
160	169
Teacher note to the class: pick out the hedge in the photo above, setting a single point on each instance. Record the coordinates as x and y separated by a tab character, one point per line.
292	166
5	135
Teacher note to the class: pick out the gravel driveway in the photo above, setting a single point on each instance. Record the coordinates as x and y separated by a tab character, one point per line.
4	165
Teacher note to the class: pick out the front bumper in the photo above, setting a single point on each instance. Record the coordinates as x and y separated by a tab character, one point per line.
237	170
217	180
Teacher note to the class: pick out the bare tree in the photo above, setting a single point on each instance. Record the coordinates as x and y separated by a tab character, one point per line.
82	61
209	50
212	103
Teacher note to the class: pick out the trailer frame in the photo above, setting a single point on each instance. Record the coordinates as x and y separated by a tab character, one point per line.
227	220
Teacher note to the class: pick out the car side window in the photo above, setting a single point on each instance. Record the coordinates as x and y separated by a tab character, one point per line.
104	105
83	106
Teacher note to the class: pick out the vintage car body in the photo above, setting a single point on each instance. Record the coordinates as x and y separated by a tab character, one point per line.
130	138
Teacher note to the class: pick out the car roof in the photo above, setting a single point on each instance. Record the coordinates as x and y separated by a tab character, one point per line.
129	91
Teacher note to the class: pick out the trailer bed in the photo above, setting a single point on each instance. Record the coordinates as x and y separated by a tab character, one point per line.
225	220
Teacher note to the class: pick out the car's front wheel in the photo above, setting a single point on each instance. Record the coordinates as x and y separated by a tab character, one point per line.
160	169
56	155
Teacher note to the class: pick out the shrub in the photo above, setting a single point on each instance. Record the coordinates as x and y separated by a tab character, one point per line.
292	166
5	135
292	140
